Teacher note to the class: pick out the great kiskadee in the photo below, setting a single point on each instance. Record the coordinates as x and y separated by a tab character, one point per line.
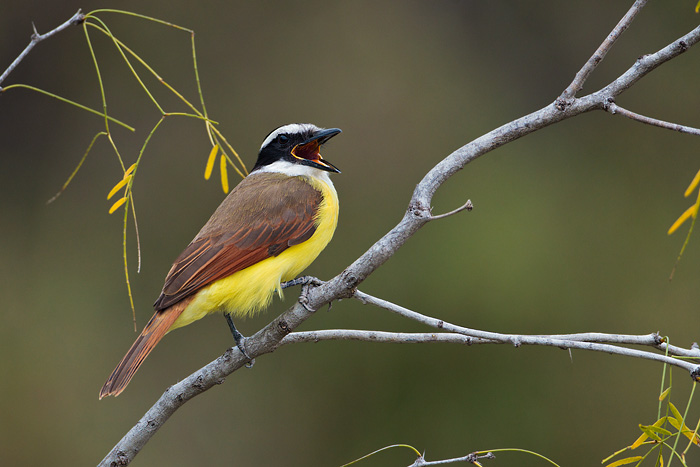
267	230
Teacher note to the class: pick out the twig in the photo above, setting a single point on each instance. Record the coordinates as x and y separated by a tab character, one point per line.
472	458
36	38
468	206
598	56
615	109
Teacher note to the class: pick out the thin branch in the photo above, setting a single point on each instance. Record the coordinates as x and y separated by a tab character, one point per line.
465	336
468	206
344	285
617	110
381	337
650	340
598	56
36	38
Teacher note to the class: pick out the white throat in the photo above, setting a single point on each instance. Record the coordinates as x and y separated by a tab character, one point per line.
295	170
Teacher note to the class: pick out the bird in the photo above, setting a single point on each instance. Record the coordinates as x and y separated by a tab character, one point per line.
266	231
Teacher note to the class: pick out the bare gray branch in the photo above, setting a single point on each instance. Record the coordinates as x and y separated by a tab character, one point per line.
36	38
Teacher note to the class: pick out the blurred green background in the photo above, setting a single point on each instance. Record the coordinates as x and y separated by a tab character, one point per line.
568	234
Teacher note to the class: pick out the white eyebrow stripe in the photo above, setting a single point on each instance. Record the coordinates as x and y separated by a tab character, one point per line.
291	128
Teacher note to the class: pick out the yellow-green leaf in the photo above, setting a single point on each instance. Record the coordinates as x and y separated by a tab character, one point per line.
625	461
118	187
675	413
656	429
697	8
224	175
210	162
692	436
664	394
130	169
684	217
685	430
650	433
639	441
116	205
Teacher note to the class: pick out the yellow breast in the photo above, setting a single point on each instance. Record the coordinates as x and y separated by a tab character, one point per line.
250	290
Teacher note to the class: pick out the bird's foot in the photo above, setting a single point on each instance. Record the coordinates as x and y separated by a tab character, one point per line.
303	280
240	340
306	283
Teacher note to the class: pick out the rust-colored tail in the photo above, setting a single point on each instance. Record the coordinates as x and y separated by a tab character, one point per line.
150	336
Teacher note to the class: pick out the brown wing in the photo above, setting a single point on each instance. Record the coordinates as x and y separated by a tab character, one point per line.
273	212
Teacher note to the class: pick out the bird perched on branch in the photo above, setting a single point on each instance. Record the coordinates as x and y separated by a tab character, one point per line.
266	231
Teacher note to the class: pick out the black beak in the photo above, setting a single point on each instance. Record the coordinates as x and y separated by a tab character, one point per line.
323	136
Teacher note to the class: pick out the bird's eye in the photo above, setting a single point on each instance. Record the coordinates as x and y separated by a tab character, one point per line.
283	139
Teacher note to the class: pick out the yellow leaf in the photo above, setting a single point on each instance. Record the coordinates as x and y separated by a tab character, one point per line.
118	187
643	437
116	205
664	394
129	170
625	461
697	8
210	162
693	184
224	175
684	217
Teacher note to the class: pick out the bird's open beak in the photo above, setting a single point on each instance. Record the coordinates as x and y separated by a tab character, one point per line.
309	150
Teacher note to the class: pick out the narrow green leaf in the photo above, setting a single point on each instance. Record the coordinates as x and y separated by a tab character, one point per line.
650	433
655	429
676	413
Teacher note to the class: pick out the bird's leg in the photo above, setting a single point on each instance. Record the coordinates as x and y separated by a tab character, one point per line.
239	338
305	282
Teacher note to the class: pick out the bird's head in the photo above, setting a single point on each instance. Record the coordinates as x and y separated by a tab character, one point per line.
297	144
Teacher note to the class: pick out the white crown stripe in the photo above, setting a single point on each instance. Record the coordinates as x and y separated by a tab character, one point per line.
290	129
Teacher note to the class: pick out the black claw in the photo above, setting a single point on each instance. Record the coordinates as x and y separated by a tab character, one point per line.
239	338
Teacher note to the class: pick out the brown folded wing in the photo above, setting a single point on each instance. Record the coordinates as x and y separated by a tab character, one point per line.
272	213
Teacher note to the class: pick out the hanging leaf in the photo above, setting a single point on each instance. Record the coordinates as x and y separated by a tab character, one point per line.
625	461
684	217
210	162
224	175
116	205
118	187
130	169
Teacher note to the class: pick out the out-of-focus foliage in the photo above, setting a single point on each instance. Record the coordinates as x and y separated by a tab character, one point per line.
568	234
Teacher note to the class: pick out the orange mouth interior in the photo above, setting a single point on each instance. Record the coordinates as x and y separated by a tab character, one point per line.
308	151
